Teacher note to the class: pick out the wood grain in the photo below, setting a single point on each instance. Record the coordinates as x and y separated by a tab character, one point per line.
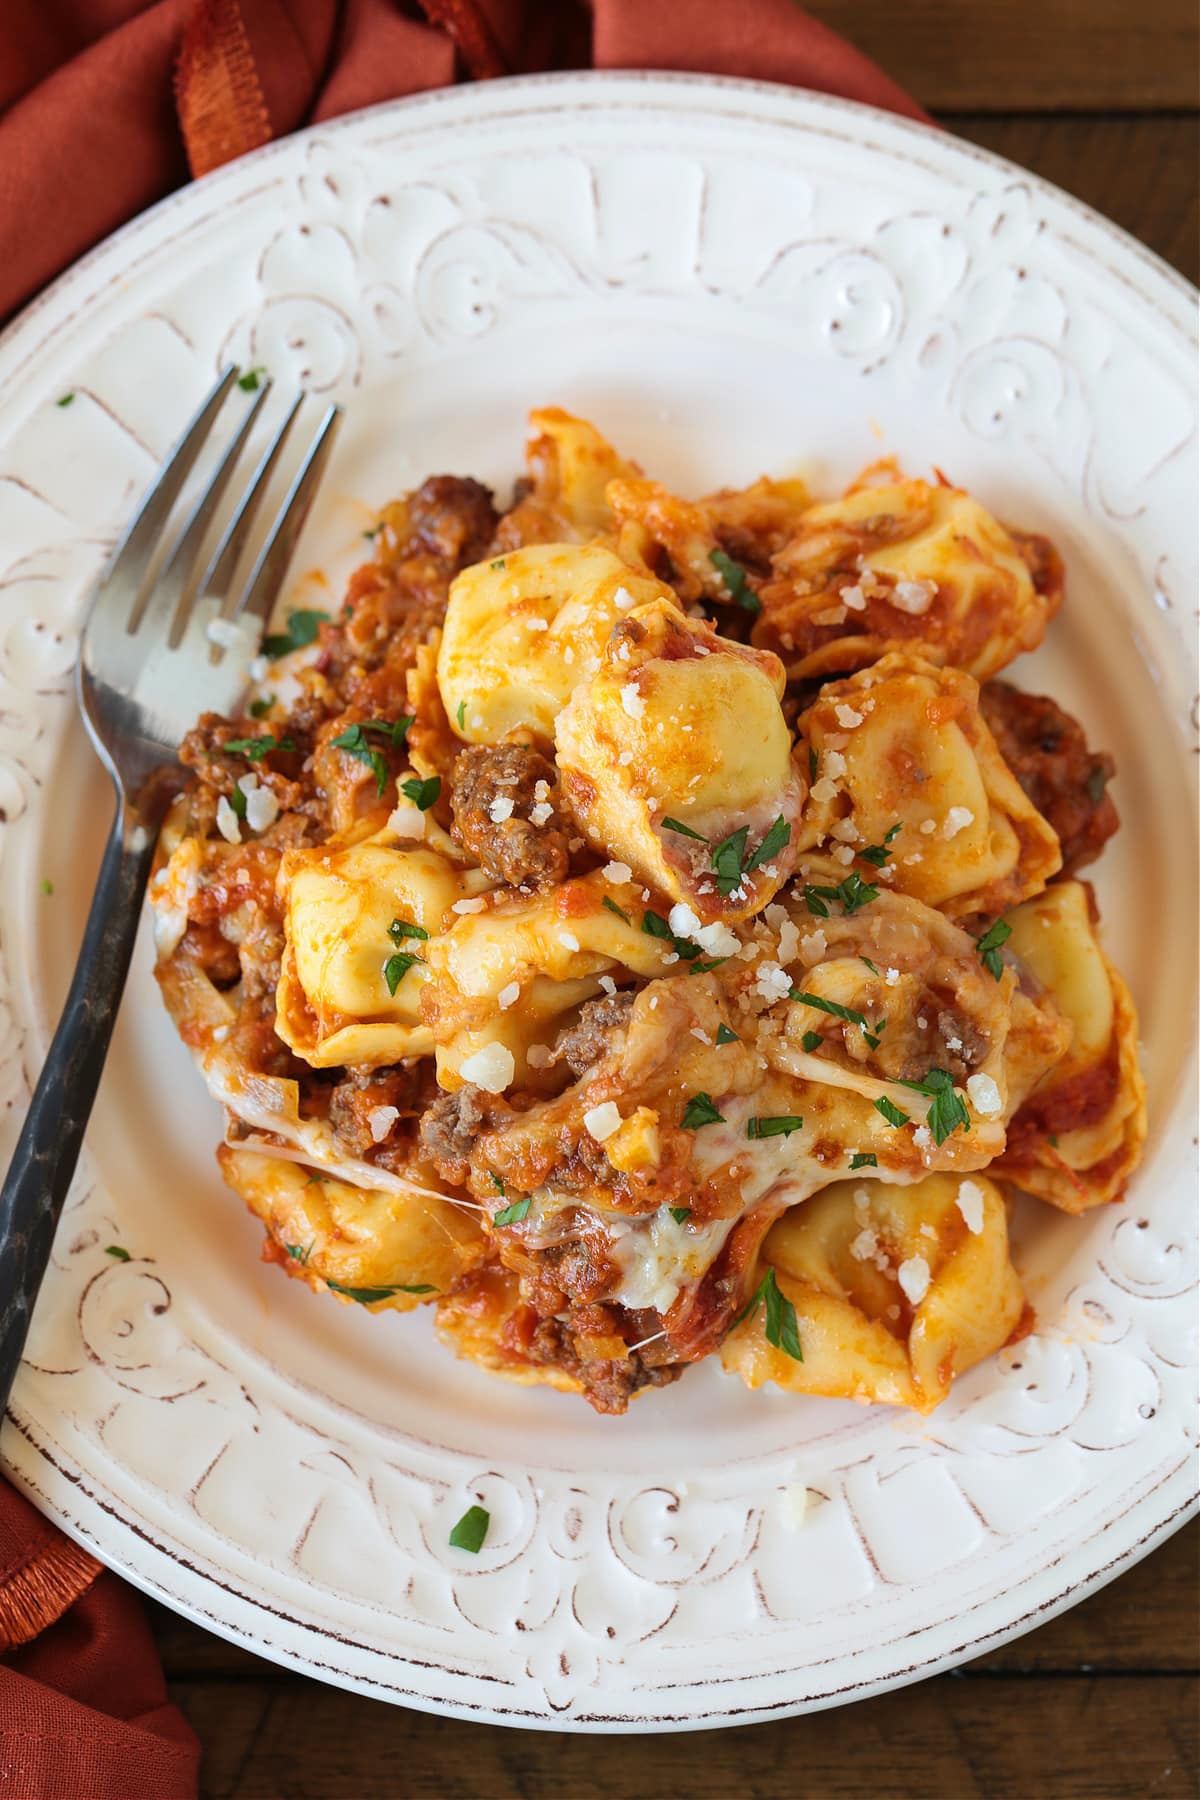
1139	171
1016	56
1103	1739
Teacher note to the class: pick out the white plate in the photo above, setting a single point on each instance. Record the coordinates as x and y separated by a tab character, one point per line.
728	278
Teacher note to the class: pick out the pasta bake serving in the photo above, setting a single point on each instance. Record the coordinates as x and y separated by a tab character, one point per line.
643	929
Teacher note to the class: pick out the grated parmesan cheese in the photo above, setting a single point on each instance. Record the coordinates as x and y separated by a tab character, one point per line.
602	1121
913	596
846	716
380	1120
970	1204
227	822
500	809
632	701
617	871
491	1068
508	996
468	906
956	820
913	1277
984	1096
568	940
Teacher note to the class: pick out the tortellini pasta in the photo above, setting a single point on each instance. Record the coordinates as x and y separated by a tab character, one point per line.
348	913
1080	1133
906	564
675	744
388	1250
906	769
523	631
897	1290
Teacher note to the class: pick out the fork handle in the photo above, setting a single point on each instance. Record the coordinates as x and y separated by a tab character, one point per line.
48	1148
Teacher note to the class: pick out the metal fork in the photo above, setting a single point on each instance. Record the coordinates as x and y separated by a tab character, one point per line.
157	649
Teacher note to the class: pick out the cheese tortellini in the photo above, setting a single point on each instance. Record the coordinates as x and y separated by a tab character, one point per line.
1080	1133
348	913
523	630
387	1249
675	743
906	565
896	1290
907	769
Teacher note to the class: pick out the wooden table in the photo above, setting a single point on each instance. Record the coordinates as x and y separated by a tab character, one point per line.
1100	97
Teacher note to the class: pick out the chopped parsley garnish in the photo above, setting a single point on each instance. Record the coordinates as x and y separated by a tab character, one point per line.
891	1112
683	830
863	1159
397	967
701	1111
781	1327
812	764
354	743
496	1181
255	748
947	1111
302	629
65	400
727	860
874	1038
725	1036
498	564
461	715
778	1125
471	1530
1051	1139
512	1215
869	963
988	947
734	577
833	1007
775	839
812	1040
251	380
614	908
237	801
367	1296
373	533
729	857
853	893
47	885
680	1213
422	793
654	925
315	1176
118	1253
300	1252
702	968
260	708
877	854
399	929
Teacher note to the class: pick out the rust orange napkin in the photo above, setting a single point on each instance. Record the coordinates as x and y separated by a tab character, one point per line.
105	107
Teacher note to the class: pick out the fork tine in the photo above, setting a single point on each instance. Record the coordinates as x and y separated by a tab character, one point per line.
224	560
174	589
135	551
260	592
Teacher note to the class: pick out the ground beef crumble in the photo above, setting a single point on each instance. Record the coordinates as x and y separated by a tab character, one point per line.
495	791
1048	753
